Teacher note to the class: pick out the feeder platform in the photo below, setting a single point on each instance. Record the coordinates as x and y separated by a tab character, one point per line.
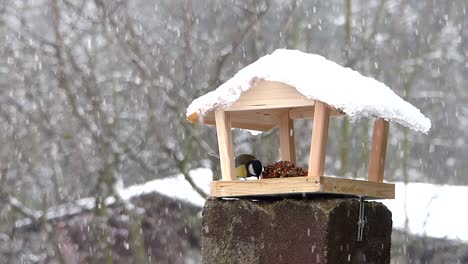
295	185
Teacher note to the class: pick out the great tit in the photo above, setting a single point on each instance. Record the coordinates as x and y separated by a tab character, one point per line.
248	166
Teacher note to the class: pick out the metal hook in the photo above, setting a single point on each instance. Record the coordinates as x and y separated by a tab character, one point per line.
361	220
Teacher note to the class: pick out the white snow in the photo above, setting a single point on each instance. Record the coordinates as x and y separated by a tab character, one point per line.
63	210
320	79
175	187
432	210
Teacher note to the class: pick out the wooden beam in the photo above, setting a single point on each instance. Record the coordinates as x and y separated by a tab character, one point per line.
318	146
269	95
226	154
264	186
261	120
308	112
378	151
287	144
322	185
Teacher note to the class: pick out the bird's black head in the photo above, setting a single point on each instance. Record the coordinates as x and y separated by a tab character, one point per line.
254	168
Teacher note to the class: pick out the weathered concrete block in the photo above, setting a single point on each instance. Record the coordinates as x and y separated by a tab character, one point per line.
294	231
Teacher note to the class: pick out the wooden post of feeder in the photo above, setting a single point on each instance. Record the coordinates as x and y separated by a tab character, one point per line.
318	146
287	145
378	151
226	154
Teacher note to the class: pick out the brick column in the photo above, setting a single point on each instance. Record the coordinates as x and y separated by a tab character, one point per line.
294	231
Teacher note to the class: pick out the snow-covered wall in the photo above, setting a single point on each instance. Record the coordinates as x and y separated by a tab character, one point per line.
430	208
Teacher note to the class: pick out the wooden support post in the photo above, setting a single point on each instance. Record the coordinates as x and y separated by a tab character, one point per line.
287	145
226	154
318	146
378	151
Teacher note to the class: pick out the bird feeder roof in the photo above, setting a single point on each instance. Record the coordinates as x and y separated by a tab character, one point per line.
293	80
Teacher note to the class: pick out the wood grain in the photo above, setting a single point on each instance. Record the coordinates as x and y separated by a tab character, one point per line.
308	112
287	144
378	150
269	95
264	186
357	187
226	154
260	107
318	146
324	184
261	120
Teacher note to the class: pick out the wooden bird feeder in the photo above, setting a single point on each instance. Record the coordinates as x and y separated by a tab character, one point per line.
267	104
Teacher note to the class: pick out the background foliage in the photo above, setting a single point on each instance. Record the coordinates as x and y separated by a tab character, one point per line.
93	92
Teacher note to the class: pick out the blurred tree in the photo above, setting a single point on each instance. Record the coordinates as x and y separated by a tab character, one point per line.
93	92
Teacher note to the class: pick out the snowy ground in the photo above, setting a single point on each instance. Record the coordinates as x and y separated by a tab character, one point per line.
176	187
430	208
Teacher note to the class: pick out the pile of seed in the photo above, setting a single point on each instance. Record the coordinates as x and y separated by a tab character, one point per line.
282	169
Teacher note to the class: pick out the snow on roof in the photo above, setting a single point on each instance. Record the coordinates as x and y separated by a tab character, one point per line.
320	79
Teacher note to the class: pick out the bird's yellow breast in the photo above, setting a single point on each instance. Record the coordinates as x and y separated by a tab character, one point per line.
241	171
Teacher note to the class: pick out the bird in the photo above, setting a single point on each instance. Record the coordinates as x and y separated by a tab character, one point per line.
248	166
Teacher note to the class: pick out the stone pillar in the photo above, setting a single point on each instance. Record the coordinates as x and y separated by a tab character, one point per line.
294	231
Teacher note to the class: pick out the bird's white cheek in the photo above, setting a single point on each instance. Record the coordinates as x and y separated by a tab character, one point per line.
251	169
